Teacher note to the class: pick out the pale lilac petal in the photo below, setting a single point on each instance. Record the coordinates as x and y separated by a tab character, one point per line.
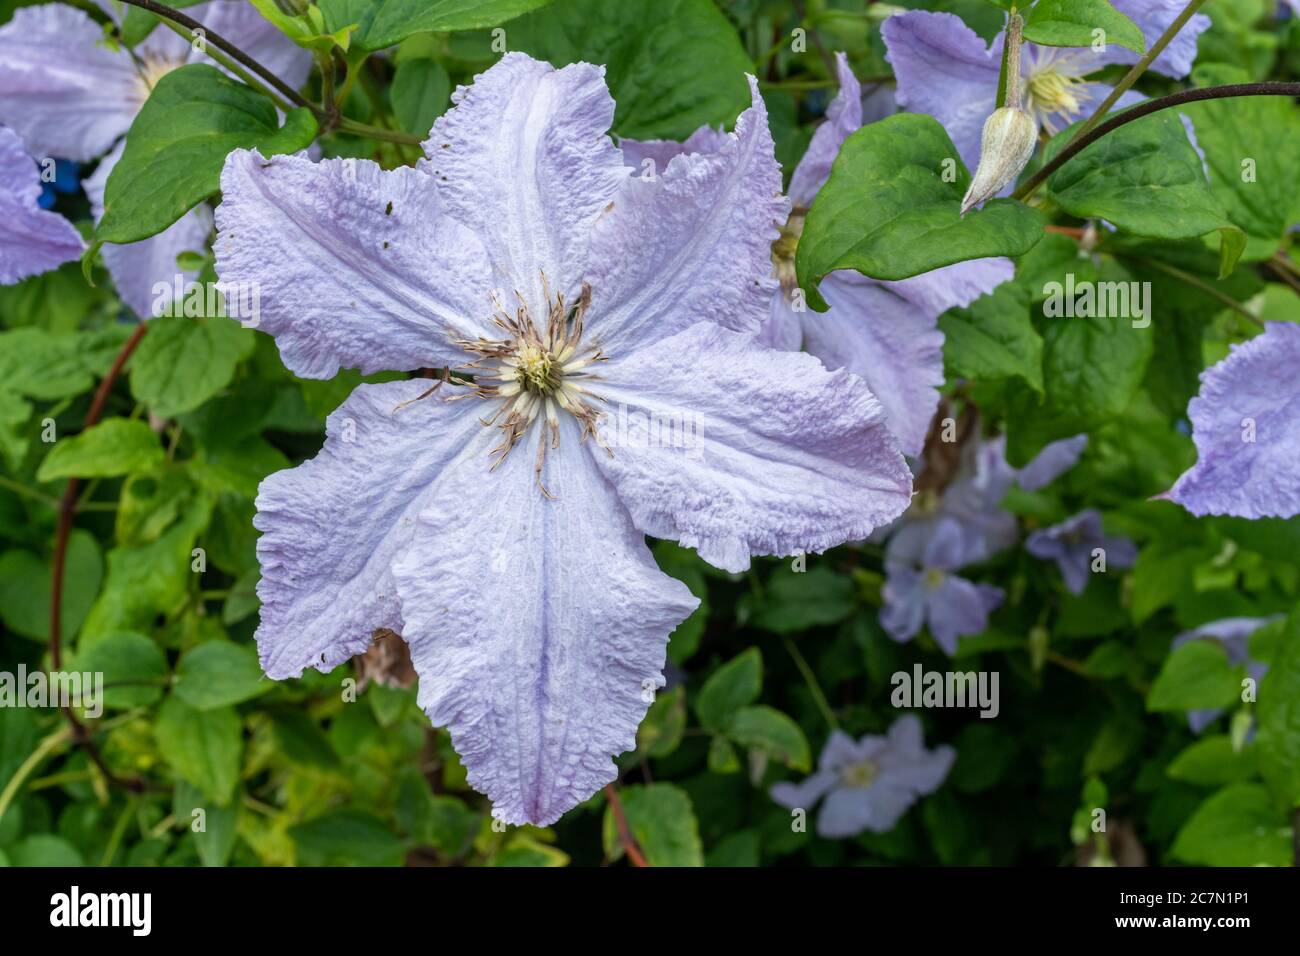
692	244
140	269
948	548
660	152
784	327
847	811
1052	462
843	117
332	526
32	240
946	70
903	613
957	607
356	267
1071	545
840	751
907	764
1154	17
239	22
780	455
61	88
804	794
1246	425
878	102
887	332
523	159
539	627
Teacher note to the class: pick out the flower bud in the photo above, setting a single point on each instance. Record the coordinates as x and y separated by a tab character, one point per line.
1009	137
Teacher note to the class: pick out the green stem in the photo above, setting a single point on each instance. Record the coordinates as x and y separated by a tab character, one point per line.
119	831
21	489
1200	285
28	766
814	688
234	68
1133	75
374	132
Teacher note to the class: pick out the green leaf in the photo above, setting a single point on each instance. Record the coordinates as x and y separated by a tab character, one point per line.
436	819
386	22
662	821
178	144
526	851
420	93
1145	178
134	669
661	731
218	674
1195	676
1092	371
730	687
116	446
1238	826
25	588
773	733
722	757
184	361
994	338
15	411
45	849
671	65
42	365
308	30
149	579
1212	761
1278	740
203	746
1247	143
891	209
795	601
1073	22
214	830
346	838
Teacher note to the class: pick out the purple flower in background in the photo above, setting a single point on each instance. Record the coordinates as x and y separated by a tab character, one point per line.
32	240
1072	543
870	783
602	315
1246	426
922	590
1234	634
68	93
886	332
1053	461
972	500
67	180
946	70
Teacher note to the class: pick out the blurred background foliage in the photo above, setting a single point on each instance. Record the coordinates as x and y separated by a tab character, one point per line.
343	768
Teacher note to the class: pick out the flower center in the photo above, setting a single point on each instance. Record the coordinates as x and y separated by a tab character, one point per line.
153	69
534	372
934	577
1051	93
785	247
858	774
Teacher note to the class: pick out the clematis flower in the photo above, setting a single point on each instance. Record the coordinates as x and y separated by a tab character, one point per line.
497	523
870	783
1053	461
945	69
32	240
69	93
1234	634
921	588
972	501
1244	427
886	332
1072	543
